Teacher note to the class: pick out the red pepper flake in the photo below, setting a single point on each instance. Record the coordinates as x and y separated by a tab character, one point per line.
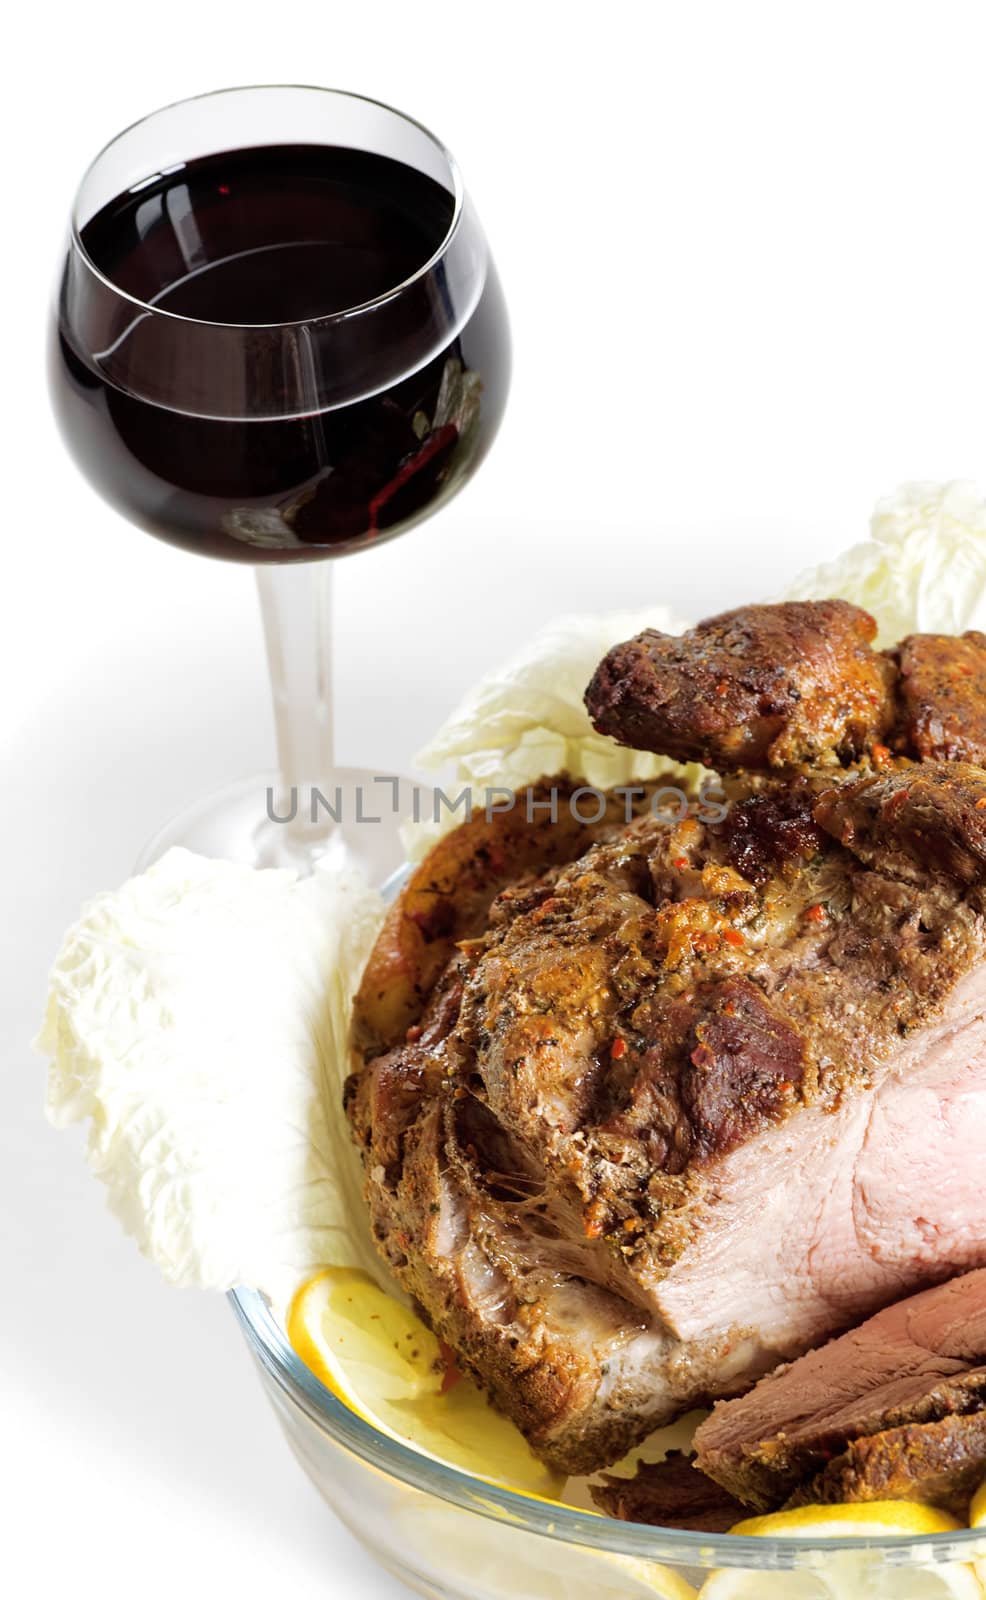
618	1049
785	1086
681	862
816	913
981	804
414	1033
594	1219
722	688
546	908
881	754
451	1372
734	937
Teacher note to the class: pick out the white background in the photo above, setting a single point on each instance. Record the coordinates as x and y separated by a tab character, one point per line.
743	246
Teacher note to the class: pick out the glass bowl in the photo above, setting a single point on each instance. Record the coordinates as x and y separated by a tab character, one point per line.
455	1537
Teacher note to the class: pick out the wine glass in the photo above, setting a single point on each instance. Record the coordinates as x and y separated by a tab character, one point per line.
279	338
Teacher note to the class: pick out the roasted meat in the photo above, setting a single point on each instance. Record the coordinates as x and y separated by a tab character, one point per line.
790	685
896	1409
770	685
914	822
671	1494
942	696
939	1463
676	1108
448	899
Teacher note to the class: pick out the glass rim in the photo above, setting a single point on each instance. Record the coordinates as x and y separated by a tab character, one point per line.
567	1524
388	295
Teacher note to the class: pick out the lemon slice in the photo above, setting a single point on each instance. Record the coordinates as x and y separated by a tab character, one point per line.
500	1560
381	1361
849	1575
874	1518
977	1519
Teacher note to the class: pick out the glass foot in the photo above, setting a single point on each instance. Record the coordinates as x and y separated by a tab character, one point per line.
354	818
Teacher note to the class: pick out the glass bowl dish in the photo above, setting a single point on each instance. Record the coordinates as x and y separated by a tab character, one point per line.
452	1536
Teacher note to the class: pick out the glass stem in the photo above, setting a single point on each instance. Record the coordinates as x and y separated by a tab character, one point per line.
296	605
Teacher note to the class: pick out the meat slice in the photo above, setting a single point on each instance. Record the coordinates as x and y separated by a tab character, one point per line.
690	1103
896	1405
766	685
942	696
669	1494
939	1463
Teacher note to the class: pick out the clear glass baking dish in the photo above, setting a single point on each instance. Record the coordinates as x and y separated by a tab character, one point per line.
455	1537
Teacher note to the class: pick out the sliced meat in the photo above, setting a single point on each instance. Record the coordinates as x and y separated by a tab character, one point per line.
669	1494
763	686
688	1105
803	1431
942	696
939	1463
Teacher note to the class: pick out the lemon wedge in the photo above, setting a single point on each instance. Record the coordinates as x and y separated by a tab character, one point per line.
381	1361
849	1575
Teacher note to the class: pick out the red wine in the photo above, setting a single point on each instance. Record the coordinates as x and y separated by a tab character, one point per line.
198	449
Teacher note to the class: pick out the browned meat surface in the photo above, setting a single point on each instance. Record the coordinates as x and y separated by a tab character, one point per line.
792	685
685	1105
919	823
939	1463
897	1406
942	696
448	898
769	685
669	1494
